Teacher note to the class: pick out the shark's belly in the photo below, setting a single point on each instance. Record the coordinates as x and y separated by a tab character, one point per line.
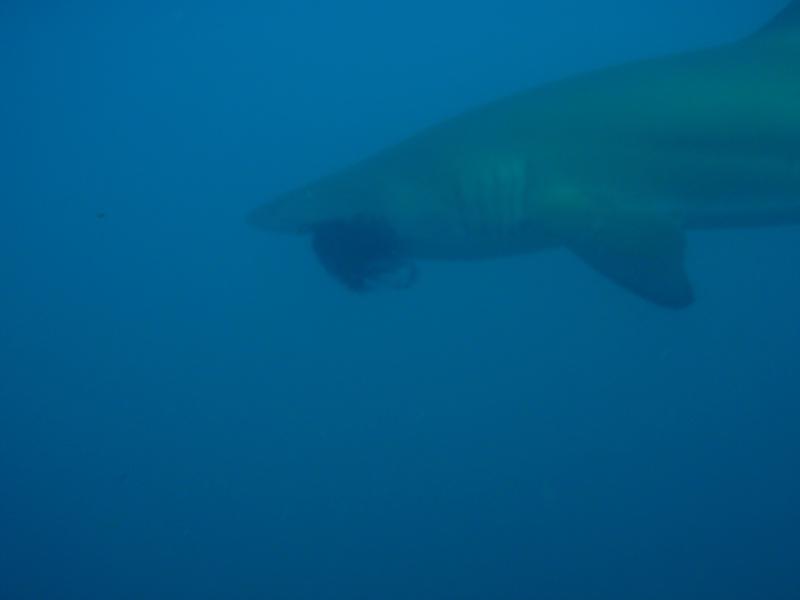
731	189
740	212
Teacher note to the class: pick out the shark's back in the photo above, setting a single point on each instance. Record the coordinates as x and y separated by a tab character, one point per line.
713	135
786	24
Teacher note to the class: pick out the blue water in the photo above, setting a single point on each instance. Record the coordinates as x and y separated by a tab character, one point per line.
190	408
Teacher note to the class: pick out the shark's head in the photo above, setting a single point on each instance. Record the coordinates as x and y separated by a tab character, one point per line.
350	236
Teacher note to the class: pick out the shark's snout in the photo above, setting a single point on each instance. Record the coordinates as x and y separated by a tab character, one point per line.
290	213
265	217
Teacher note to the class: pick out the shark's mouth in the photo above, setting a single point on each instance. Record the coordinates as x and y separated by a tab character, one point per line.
363	253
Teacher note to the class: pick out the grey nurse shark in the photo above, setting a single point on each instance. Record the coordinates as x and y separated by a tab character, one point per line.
614	165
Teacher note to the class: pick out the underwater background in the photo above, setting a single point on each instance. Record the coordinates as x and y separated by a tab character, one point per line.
190	408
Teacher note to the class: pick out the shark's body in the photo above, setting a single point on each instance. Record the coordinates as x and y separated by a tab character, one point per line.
614	165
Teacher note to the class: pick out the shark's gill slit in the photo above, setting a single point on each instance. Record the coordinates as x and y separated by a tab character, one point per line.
363	253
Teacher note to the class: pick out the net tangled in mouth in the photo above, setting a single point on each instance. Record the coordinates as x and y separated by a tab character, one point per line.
363	254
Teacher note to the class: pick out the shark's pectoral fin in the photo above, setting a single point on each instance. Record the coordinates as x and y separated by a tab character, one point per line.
642	253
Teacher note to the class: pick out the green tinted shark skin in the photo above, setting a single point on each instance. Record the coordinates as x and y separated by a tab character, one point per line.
614	165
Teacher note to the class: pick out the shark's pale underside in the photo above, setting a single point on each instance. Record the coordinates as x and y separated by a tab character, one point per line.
614	165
